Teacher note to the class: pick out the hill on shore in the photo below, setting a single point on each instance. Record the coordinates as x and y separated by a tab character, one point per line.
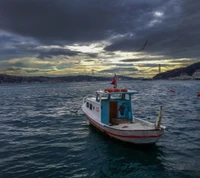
178	71
40	79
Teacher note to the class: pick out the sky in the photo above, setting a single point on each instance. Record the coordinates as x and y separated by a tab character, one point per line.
98	37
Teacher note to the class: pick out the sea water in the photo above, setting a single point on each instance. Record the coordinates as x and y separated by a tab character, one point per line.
42	135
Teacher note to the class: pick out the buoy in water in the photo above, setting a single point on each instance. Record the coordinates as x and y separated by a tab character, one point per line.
198	95
172	91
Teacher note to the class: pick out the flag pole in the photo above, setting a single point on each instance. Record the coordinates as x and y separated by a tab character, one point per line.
114	81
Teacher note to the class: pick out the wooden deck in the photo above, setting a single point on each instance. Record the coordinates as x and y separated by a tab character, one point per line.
126	124
115	121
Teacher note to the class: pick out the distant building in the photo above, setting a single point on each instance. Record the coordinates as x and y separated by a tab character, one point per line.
196	75
185	76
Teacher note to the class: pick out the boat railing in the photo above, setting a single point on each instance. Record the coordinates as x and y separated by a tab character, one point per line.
84	99
87	96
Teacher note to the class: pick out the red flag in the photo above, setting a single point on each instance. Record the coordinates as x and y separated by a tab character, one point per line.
114	81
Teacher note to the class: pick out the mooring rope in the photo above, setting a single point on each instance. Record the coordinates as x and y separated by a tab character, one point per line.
75	111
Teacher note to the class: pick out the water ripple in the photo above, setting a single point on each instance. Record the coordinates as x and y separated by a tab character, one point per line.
42	136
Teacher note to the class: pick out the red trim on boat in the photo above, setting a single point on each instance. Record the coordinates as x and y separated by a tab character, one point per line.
134	136
94	123
118	135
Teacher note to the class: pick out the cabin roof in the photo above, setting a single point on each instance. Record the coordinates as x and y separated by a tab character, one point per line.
131	92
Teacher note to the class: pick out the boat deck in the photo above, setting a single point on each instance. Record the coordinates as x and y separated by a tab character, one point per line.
125	124
116	121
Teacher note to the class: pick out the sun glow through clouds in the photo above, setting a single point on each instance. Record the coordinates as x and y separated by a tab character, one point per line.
158	14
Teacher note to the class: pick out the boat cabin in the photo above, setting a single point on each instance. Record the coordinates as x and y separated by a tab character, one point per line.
116	106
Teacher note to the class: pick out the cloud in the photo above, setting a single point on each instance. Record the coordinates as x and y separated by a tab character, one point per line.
13	46
73	21
106	33
21	49
175	35
118	70
90	60
92	55
132	60
28	71
43	53
124	65
147	59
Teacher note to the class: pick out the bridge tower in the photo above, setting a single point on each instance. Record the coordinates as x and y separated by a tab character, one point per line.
159	68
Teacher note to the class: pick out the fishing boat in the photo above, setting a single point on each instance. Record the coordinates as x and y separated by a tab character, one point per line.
111	111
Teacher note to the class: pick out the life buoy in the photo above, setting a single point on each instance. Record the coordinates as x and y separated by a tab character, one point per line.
124	90
109	90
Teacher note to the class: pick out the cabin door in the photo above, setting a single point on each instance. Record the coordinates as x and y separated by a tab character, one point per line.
113	111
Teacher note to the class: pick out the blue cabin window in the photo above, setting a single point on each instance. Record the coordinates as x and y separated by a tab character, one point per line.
104	97
127	97
117	96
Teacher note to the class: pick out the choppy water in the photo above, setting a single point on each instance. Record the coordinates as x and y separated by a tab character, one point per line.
40	136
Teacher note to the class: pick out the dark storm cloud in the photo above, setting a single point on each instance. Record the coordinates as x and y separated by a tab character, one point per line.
172	32
90	60
45	51
12	46
53	52
175	34
11	53
92	55
53	21
142	59
21	50
48	53
132	60
4	38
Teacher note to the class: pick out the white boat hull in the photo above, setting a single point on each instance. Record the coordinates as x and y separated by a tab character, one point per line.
132	136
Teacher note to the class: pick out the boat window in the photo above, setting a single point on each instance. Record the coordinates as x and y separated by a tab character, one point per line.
90	106
87	104
127	97
116	96
104	97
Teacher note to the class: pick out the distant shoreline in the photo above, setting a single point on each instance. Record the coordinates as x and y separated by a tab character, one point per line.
40	79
